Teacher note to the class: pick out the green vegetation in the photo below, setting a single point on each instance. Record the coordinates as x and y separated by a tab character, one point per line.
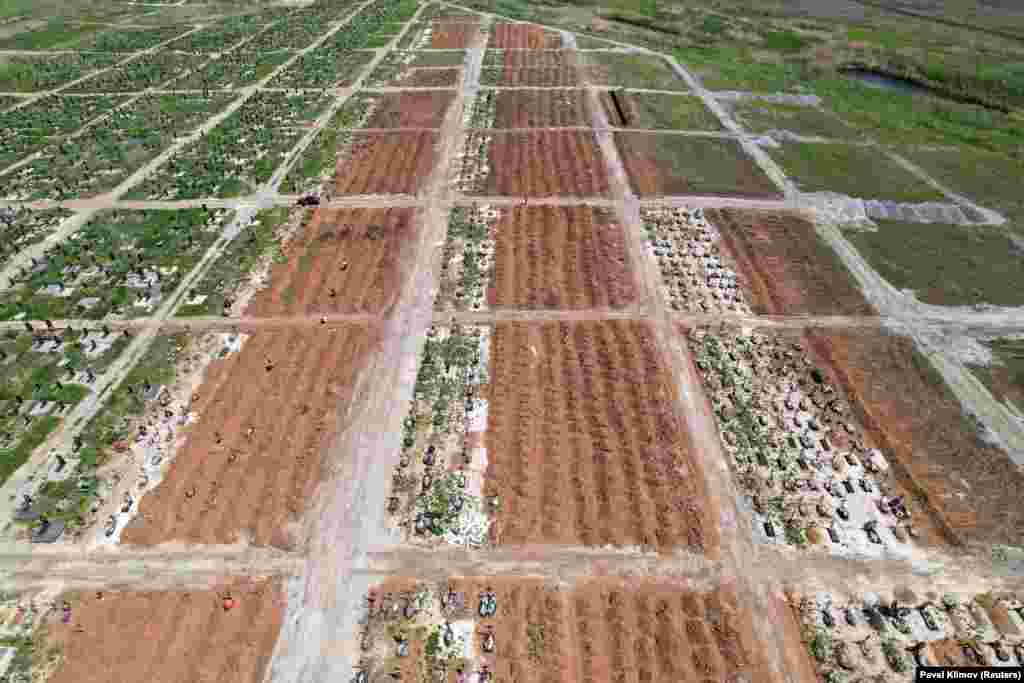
656	110
28	227
946	265
144	72
761	116
856	171
30	73
725	67
630	71
29	128
131	39
235	69
236	262
323	68
1005	376
819	642
536	637
221	36
55	34
241	153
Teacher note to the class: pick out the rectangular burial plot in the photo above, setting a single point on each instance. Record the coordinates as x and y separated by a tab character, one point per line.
235	69
529	630
535	164
624	70
764	116
323	68
241	153
813	467
946	265
148	71
417	69
130	39
441	34
1004	374
340	261
787	268
532	108
529	68
627	109
660	165
111	149
31	73
222	35
385	163
251	460
167	636
970	487
537	257
29	128
864	172
21	227
121	263
512	35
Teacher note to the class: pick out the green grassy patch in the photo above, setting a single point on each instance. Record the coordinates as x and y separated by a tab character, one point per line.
235	69
57	33
1005	376
863	172
946	265
29	128
725	67
761	116
656	110
148	71
630	71
323	68
30	73
130	39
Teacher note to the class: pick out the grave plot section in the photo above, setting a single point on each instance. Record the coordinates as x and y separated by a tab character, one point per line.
583	444
240	154
21	227
624	70
1003	375
323	68
165	636
43	375
863	172
105	154
542	257
967	485
235	69
147	71
529	68
418	70
765	116
373	27
300	28
529	109
340	261
886	637
456	33
121	264
511	35
8	101
814	469
787	268
222	35
385	163
130	39
527	630
946	265
251	457
680	164
29	128
628	109
535	164
30	73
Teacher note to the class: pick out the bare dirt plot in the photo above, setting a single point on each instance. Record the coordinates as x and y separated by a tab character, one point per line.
428	78
599	630
630	71
788	269
509	35
453	34
560	257
970	488
385	163
682	164
541	109
532	77
544	164
583	443
168	637
344	261
628	109
411	110
251	460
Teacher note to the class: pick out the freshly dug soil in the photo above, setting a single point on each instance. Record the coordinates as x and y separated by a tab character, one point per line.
546	163
541	109
505	35
385	163
411	110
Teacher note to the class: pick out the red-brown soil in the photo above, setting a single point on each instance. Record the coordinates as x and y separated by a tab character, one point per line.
970	489
411	110
560	257
506	35
539	77
168	637
541	109
536	59
453	34
660	165
428	77
584	445
256	482
354	254
788	269
385	163
545	163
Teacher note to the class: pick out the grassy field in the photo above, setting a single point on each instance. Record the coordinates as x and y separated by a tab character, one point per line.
658	110
862	172
761	116
946	265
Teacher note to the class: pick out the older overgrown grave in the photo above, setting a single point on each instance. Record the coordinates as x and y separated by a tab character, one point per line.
468	258
21	227
437	487
811	474
32	73
30	128
121	264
